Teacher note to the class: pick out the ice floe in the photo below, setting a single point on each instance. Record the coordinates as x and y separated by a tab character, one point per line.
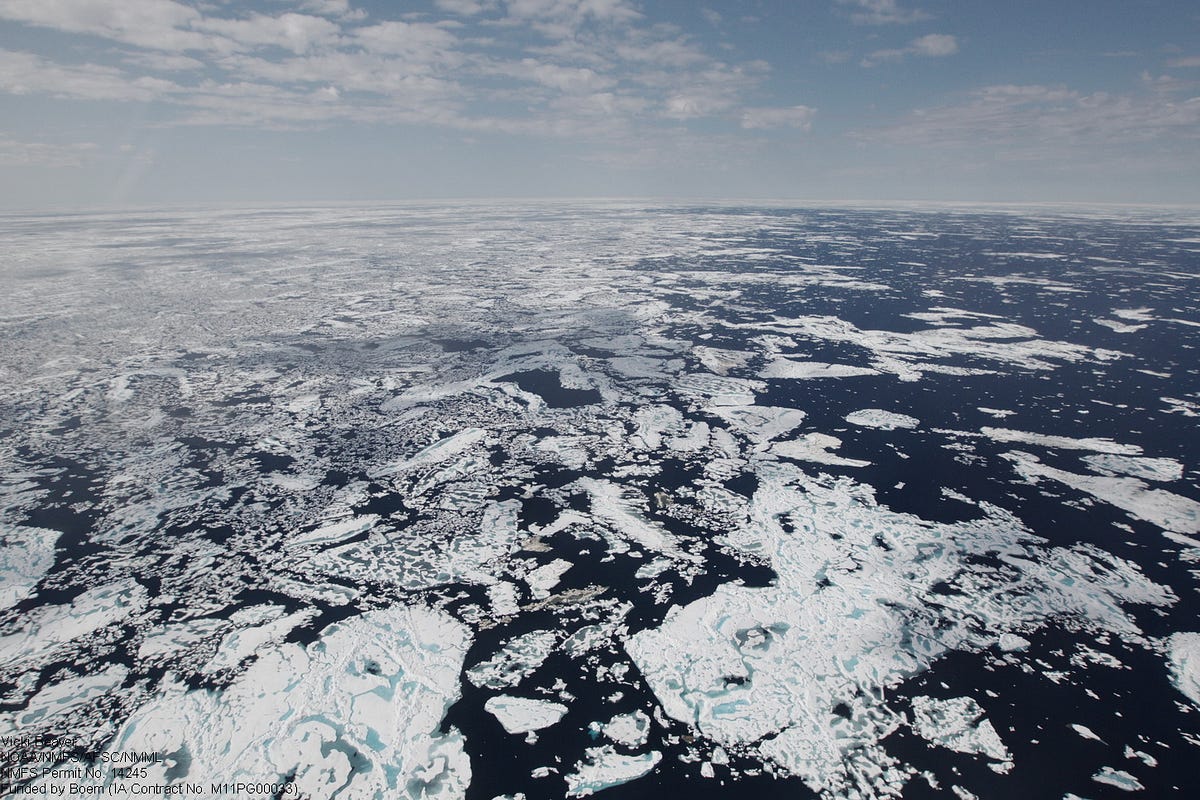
1118	778
631	730
603	767
848	618
816	448
519	657
807	370
523	714
883	420
357	712
26	554
1171	512
957	724
1183	654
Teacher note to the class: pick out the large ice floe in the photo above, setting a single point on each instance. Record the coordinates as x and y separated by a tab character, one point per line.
355	714
800	671
533	501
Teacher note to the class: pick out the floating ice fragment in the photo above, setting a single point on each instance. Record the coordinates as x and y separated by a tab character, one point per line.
1085	732
64	697
603	767
519	657
761	423
239	645
1118	327
1183	654
957	724
815	447
334	531
806	370
546	577
1010	642
1118	778
1063	442
1151	469
884	420
439	451
522	714
720	360
1169	511
356	712
26	555
631	730
612	505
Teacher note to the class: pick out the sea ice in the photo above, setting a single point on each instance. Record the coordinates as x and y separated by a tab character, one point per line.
26	554
518	657
631	730
356	712
883	420
603	767
522	714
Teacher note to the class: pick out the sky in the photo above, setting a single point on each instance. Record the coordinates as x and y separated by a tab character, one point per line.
142	102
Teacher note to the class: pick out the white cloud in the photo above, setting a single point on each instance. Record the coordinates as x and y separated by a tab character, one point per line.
933	45
562	19
418	41
163	62
1187	61
565	79
296	32
340	9
466	8
1045	121
882	12
665	52
156	24
42	154
26	73
793	117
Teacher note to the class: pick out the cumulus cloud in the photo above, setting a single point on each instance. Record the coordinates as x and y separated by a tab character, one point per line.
881	12
27	73
591	69
1045	120
15	153
298	33
465	8
793	117
157	24
933	45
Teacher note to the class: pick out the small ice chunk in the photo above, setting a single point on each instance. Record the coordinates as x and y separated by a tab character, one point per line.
1183	653
546	577
1010	642
603	767
1093	443
239	645
631	730
522	714
1118	778
26	555
805	370
816	447
957	724
519	657
1151	469
1085	732
883	420
503	596
334	531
